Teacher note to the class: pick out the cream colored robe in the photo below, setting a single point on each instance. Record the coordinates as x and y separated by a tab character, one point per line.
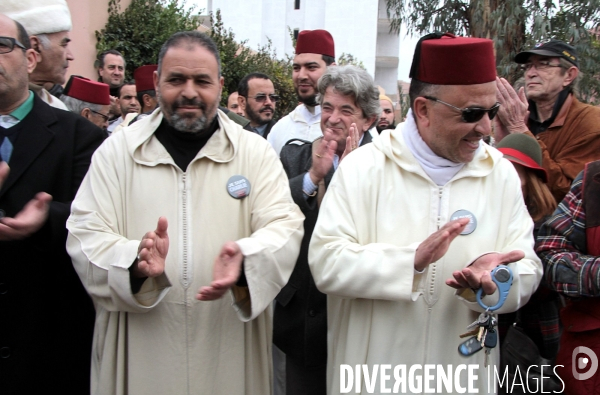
379	206
162	340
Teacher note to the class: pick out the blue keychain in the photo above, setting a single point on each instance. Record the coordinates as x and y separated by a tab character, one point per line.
503	277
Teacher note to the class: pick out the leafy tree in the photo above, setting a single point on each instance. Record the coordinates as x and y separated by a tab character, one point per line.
514	25
237	60
140	30
349	59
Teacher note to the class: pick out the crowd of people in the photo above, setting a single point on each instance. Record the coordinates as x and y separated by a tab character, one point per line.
153	241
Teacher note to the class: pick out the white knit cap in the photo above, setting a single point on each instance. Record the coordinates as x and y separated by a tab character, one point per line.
39	16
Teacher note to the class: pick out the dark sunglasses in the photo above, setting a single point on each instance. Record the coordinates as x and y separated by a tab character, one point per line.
473	114
7	44
262	98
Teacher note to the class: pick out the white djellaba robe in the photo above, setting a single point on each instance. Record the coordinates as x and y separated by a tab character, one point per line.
299	124
162	340
379	206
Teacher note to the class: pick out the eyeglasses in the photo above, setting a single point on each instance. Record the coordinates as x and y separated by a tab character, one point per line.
472	114
539	65
262	98
104	116
7	44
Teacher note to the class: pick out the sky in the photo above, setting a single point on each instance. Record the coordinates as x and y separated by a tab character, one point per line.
407	45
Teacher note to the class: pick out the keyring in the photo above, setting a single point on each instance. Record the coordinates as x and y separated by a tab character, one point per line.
503	277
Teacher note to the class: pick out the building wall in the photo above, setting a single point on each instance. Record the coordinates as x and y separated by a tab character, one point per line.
87	17
352	23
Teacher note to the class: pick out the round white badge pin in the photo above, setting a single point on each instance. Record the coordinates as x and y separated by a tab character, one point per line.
470	228
238	187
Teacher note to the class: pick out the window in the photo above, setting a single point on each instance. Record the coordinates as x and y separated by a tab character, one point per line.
296	31
296	4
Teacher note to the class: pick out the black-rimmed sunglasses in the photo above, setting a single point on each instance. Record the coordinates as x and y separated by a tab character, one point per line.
472	114
7	44
262	98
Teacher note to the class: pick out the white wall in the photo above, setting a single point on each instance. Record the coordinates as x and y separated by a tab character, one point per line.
352	23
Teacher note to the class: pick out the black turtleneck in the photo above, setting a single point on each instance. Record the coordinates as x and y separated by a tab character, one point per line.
536	126
183	147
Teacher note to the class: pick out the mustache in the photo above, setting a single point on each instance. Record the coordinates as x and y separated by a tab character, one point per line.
183	102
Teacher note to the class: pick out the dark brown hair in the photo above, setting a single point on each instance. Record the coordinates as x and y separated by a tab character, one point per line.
539	200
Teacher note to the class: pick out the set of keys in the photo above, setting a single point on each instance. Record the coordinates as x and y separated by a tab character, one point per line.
483	331
483	336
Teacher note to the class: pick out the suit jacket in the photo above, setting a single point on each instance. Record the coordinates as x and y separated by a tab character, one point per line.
267	130
300	321
47	317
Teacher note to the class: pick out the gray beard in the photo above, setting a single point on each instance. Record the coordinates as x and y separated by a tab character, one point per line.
184	125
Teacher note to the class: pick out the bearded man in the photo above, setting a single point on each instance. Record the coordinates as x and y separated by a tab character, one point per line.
315	51
226	225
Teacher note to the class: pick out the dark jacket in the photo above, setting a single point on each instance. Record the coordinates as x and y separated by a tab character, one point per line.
47	317
267	130
300	322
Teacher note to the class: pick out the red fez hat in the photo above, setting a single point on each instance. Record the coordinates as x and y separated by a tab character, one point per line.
89	91
143	76
315	41
444	59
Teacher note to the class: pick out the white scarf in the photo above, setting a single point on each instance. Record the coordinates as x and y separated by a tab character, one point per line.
439	169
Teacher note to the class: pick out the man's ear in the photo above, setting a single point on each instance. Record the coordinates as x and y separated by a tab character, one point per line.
36	45
32	61
146	100
155	79
86	113
242	102
421	110
571	74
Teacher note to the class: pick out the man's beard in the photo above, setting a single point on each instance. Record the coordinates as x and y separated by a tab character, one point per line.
255	116
186	124
310	101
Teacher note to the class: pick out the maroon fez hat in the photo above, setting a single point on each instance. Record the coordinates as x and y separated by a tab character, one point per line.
143	76
89	91
444	59
315	41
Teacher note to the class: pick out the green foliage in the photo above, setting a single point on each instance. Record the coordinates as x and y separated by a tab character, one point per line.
346	58
238	60
514	25
140	30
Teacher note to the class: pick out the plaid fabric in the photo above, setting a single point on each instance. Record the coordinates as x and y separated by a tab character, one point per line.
561	245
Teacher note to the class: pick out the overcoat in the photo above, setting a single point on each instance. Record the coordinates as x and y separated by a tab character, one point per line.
300	321
47	317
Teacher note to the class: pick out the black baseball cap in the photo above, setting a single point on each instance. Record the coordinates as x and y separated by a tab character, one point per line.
554	48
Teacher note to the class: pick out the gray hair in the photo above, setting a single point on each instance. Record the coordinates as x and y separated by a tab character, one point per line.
192	37
77	106
44	40
574	85
352	81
